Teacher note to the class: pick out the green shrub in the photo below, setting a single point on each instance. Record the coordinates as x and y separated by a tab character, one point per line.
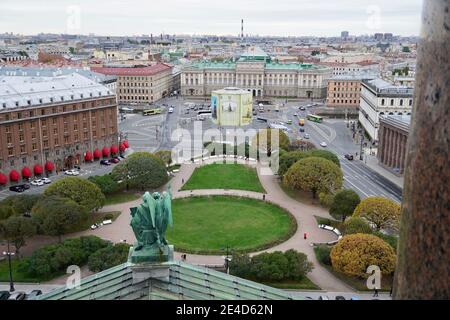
356	225
344	204
108	216
326	199
106	183
108	257
323	254
391	240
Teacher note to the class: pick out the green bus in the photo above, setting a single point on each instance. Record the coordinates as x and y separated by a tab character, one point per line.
314	118
151	112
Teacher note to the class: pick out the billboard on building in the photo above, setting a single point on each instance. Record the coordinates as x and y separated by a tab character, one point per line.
231	107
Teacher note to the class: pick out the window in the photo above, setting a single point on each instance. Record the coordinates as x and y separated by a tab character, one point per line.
21	137
45	143
11	153
34	146
382	102
392	102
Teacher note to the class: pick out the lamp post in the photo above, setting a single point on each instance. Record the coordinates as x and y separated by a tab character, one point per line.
9	254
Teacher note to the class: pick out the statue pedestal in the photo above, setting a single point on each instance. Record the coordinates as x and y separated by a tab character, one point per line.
151	255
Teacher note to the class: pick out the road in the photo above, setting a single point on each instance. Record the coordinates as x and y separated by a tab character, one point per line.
357	176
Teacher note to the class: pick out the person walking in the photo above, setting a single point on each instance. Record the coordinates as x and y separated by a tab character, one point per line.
375	294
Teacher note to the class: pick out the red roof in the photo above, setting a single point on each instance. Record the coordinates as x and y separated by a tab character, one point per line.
133	71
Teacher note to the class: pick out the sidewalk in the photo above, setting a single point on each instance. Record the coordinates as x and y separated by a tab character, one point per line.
372	163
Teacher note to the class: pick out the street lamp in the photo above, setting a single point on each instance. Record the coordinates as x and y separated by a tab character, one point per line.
9	254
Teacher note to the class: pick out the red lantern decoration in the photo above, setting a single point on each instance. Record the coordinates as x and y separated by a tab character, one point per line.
126	144
114	149
97	154
49	166
37	170
26	172
122	147
105	152
14	176
88	156
3	179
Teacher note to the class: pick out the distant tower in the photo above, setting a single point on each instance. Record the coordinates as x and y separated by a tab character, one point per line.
242	29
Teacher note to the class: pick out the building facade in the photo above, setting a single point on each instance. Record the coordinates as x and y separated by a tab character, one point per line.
53	123
140	85
393	139
343	92
258	74
379	98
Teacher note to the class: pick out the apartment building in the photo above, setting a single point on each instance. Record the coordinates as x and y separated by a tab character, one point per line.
52	123
379	98
344	92
140	85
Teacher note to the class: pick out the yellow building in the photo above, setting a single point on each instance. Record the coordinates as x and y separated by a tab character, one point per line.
231	107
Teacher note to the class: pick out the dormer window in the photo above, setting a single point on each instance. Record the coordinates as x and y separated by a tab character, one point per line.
40	101
29	102
81	96
62	98
17	103
51	99
4	105
71	97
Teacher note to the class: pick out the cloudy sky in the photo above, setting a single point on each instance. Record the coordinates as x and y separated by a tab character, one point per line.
262	17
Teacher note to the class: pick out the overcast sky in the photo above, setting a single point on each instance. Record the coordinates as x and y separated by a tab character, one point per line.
263	17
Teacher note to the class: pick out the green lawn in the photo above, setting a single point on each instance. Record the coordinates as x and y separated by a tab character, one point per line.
224	176
205	225
121	197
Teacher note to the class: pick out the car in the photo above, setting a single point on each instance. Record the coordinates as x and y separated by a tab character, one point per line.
186	111
306	136
349	157
94	226
114	160
72	172
105	163
18	189
322	297
170	110
302	129
4	295
18	295
289	122
37	183
295	115
106	222
33	294
46	180
323	144
340	298
302	108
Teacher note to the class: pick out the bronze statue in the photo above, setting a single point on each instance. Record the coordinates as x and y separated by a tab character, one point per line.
149	222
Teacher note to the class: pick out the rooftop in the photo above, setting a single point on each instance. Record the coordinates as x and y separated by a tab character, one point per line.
380	86
133	71
185	282
19	91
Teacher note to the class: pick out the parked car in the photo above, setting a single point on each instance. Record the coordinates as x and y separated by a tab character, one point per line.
105	163
95	226
340	298
306	136
72	172
46	180
18	295
33	294
349	157
37	183
322	297
323	144
114	160
302	108
4	295
17	189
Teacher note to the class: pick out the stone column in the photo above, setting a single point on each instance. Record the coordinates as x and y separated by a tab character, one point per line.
423	250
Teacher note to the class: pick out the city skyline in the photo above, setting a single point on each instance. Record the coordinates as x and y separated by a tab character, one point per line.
288	18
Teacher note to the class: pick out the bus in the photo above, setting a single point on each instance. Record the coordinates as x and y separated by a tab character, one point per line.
301	122
151	112
314	118
204	114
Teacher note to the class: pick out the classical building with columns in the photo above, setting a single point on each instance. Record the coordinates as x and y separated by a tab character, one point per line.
256	72
393	138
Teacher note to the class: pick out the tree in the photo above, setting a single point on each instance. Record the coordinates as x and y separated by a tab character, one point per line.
326	155
354	253
344	204
56	216
17	229
106	183
108	257
6	211
314	175
82	191
263	139
165	156
356	225
22	204
288	159
141	171
381	212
